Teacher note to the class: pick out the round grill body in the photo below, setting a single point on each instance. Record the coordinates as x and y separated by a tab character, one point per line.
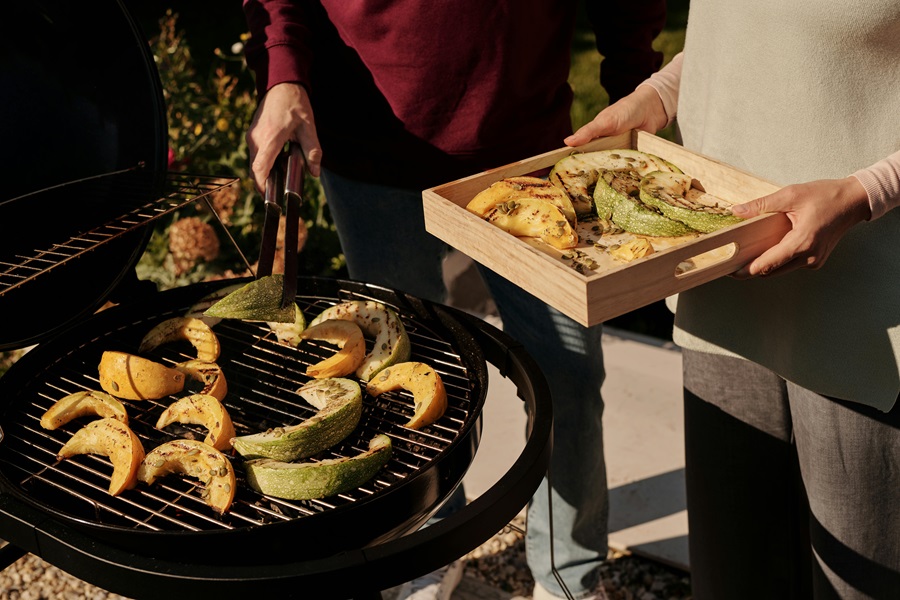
263	376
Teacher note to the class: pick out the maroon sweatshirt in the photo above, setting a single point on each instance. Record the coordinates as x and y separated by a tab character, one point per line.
416	93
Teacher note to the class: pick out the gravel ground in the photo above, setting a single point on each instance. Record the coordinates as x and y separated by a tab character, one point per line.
498	563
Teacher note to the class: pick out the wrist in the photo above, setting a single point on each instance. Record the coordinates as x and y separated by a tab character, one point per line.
857	198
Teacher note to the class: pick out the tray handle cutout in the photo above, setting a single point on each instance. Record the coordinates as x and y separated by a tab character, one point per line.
727	250
694	266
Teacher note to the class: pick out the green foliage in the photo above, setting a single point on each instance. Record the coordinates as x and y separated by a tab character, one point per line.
208	116
590	97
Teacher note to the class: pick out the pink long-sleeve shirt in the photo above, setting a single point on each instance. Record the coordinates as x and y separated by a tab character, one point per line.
880	180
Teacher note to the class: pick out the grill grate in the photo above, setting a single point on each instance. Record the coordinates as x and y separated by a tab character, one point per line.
262	376
181	189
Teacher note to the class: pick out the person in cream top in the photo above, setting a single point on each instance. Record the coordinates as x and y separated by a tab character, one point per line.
792	364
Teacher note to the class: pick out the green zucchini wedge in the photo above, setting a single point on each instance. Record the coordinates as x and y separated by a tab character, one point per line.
308	480
259	300
617	196
340	407
673	195
577	173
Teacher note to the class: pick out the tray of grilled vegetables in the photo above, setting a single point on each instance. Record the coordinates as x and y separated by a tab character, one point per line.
593	211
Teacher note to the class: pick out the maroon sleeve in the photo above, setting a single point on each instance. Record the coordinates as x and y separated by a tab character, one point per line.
625	31
279	48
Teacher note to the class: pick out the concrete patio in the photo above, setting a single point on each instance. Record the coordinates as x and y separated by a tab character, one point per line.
643	432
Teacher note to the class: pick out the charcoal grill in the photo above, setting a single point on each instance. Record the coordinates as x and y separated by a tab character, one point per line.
86	224
311	542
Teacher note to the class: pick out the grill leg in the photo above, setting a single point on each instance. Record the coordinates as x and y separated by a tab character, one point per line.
10	554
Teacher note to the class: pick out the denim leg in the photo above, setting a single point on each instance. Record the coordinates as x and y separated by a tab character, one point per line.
383	237
382	233
571	359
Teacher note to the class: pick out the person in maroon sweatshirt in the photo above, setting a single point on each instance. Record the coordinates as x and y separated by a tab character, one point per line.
389	97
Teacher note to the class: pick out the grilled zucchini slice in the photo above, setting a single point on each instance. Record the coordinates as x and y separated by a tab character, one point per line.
673	195
617	196
577	173
308	480
340	407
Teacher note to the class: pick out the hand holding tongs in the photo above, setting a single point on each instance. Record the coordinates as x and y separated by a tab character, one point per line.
285	183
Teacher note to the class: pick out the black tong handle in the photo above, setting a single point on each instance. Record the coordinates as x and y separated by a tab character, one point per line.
293	192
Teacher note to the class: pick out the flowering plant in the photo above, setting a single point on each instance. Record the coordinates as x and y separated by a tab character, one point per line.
207	119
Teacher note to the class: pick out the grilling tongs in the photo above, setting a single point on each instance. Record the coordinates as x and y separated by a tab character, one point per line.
284	184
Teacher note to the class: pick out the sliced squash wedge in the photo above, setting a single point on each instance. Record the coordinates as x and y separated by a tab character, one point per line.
425	384
308	480
617	194
340	407
195	331
351	343
577	173
376	320
259	300
80	404
197	460
675	196
514	188
528	217
209	374
111	438
201	409
133	377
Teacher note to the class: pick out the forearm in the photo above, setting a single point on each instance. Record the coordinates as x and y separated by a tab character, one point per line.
667	82
882	184
278	50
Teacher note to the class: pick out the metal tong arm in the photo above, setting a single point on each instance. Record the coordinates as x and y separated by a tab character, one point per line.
293	193
274	194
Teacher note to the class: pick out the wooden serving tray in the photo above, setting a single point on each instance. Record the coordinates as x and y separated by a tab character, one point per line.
611	287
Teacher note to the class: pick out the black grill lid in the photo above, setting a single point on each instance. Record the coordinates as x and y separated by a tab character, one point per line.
81	99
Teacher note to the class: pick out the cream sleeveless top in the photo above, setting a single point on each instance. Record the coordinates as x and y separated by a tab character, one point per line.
792	91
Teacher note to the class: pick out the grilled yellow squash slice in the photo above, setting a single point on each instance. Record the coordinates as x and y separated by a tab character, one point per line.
194	459
209	374
82	404
201	409
195	331
376	320
426	386
529	217
132	377
111	438
514	188
351	343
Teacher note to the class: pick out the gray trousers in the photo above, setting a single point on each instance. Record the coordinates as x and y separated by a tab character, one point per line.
790	494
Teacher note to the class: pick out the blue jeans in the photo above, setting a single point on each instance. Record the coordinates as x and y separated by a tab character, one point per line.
382	233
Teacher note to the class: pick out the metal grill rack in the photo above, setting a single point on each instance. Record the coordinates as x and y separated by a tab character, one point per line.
181	189
263	376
